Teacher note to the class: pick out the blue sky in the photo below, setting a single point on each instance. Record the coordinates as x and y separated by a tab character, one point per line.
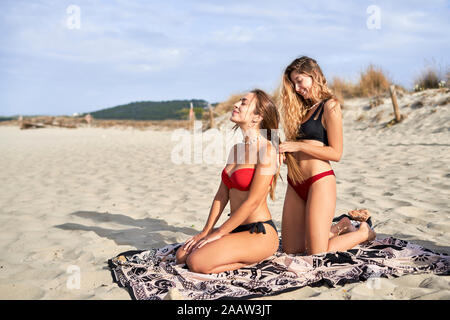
130	50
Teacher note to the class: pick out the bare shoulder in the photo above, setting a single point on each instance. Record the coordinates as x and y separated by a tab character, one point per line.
268	147
268	153
332	106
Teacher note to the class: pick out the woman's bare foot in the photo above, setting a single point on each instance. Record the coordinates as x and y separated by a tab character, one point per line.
368	232
343	226
359	215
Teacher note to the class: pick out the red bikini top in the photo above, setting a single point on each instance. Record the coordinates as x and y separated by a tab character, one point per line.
240	179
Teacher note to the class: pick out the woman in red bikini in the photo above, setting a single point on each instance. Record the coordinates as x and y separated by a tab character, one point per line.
248	236
312	122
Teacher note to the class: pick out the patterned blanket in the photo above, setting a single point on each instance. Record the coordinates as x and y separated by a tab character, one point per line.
150	274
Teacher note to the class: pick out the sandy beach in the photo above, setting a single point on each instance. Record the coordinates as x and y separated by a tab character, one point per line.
73	198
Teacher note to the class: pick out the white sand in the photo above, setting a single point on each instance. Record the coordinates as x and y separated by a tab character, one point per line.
77	197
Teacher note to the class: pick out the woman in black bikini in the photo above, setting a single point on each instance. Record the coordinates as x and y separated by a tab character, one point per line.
312	121
249	235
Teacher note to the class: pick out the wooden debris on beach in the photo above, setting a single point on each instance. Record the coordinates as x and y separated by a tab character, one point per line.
397	114
47	121
82	122
211	117
191	117
30	125
89	119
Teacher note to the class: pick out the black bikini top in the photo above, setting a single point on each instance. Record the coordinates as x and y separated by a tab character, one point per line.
313	129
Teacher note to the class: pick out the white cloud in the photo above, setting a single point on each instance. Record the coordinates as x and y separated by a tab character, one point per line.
126	42
94	43
234	34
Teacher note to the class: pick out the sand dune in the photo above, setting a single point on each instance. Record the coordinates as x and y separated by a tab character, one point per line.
75	198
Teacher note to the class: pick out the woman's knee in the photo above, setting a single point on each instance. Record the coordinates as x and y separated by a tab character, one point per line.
317	248
289	250
292	245
197	264
181	256
292	248
292	240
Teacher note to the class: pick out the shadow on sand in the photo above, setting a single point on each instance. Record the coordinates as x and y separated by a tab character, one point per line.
424	243
149	233
144	233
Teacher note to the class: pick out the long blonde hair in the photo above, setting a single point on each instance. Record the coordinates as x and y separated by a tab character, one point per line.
294	107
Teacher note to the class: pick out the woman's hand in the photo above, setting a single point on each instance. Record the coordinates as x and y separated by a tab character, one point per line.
192	241
289	146
209	238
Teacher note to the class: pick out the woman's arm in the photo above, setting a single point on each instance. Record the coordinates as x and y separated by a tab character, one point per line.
264	171
333	124
220	200
218	204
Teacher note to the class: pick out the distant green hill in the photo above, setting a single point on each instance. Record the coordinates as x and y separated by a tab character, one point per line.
151	110
7	118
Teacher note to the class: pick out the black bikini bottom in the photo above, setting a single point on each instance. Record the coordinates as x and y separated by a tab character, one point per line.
256	226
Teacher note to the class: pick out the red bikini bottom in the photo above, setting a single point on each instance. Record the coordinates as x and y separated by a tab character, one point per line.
302	189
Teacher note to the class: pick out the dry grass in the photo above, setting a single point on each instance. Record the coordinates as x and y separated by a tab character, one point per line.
276	95
227	105
428	79
447	78
434	75
343	89
373	81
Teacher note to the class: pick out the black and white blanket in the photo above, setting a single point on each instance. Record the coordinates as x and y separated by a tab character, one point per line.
150	274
